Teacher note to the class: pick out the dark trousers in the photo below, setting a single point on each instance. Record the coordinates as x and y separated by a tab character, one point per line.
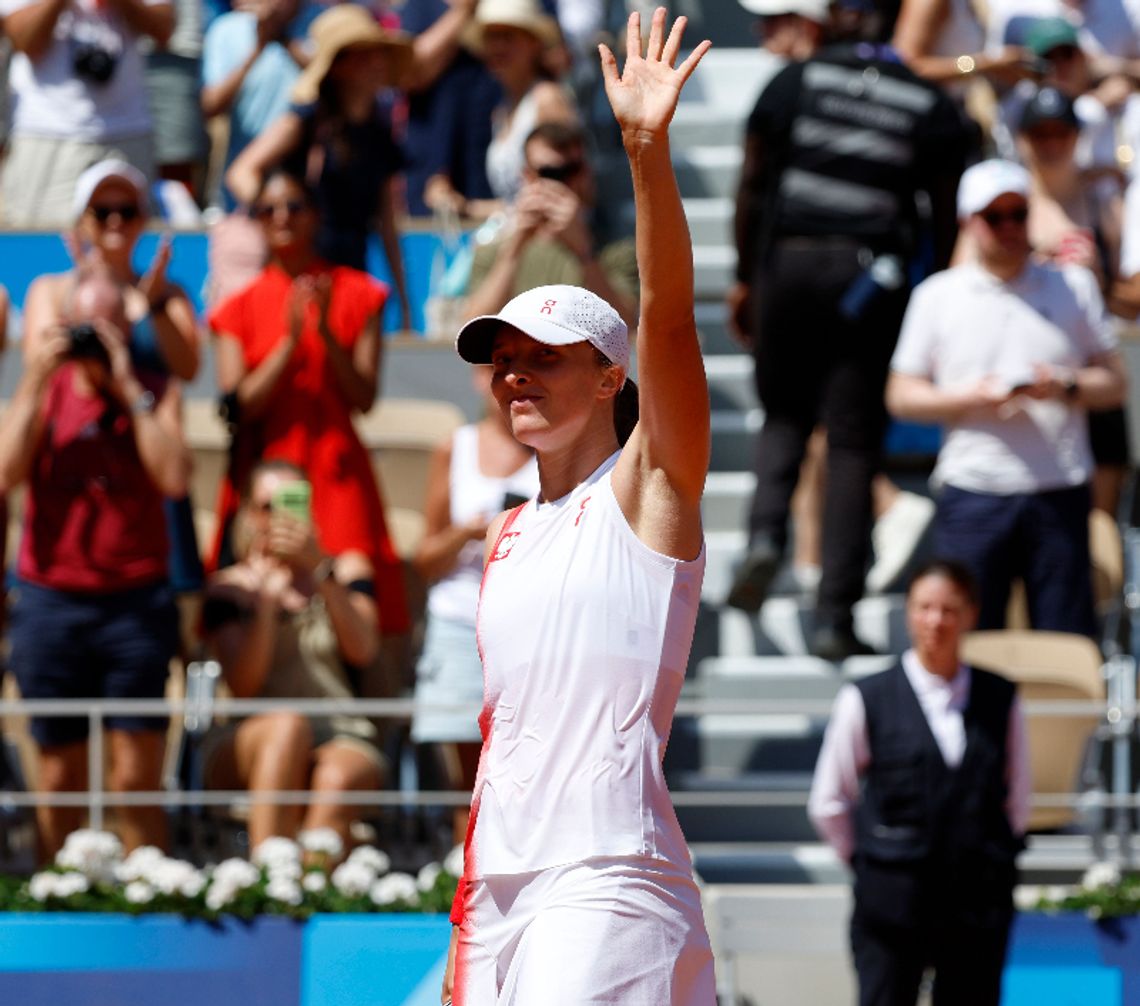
967	962
1041	537
814	366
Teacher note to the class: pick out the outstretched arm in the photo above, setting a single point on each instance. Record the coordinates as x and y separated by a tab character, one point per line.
661	474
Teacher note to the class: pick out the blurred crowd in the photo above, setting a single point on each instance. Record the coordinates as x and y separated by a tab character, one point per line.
298	131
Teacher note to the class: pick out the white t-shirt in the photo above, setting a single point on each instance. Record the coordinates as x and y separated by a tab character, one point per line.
1130	240
965	324
49	99
585	634
473	494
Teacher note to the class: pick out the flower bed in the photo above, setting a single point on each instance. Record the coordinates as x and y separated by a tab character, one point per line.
284	878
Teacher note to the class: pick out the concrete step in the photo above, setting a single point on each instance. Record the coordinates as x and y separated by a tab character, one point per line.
731	384
713	269
712	326
711	221
704	172
730	78
744	823
784	623
704	125
727	496
784	678
733	439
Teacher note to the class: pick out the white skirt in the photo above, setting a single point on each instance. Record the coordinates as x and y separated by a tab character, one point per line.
604	932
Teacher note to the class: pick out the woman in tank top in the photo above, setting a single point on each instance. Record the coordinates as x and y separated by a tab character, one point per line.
577	883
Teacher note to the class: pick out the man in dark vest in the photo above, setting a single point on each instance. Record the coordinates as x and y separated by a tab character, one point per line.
923	786
847	189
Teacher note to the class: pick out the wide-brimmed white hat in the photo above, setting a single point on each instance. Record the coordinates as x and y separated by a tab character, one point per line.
982	183
97	174
557	315
524	14
813	10
349	26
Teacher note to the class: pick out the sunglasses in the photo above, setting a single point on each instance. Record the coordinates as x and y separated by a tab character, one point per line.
265	211
560	172
124	211
995	218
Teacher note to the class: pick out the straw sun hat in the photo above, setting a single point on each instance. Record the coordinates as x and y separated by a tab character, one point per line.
524	14
349	26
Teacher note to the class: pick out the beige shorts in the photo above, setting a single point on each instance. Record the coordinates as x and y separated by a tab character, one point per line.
40	172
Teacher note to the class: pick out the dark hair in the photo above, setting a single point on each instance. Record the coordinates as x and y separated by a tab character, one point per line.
561	135
627	404
290	175
956	572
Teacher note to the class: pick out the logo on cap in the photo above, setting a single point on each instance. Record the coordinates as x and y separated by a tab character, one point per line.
548	307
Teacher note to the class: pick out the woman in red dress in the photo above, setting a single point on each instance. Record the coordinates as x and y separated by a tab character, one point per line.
298	351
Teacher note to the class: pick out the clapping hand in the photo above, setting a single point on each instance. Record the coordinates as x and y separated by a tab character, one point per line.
644	95
154	285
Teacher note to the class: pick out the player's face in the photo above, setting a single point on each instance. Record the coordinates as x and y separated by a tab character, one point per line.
937	615
547	393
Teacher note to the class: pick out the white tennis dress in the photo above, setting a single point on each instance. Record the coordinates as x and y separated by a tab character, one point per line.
578	886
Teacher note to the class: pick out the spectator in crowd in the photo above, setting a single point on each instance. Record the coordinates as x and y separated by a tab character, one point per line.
1098	104
450	100
1076	218
550	237
98	444
173	82
826	228
78	82
481	471
298	350
251	59
1125	296
1009	354
338	137
923	786
1109	30
291	621
512	36
109	211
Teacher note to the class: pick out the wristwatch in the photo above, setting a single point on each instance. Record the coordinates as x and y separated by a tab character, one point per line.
144	403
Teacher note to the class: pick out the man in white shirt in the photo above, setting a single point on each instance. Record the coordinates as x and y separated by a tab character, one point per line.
923	786
1008	354
79	98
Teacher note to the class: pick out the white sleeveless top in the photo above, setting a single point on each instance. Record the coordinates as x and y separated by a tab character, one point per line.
505	153
473	494
585	634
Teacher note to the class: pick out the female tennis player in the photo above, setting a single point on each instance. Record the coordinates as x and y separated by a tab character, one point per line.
577	882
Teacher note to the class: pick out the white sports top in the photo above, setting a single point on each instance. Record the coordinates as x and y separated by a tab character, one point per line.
473	494
505	153
585	634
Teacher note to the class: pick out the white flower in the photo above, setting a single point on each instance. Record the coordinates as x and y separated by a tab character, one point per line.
426	878
377	861
1101	875
394	887
139	864
95	854
1026	897
453	861
176	876
323	841
235	873
1094	911
284	871
42	885
138	892
353	878
220	895
314	882
284	889
276	852
71	883
1057	892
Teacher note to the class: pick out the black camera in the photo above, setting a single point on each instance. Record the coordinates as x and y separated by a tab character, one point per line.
86	344
93	62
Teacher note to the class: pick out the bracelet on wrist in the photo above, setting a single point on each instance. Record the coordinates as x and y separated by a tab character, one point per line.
966	64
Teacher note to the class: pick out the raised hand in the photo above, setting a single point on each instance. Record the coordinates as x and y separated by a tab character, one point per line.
644	95
154	285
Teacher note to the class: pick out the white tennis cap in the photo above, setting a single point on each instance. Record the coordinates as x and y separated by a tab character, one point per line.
982	183
813	10
556	315
97	174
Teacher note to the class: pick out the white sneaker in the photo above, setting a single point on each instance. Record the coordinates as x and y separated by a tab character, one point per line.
895	536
